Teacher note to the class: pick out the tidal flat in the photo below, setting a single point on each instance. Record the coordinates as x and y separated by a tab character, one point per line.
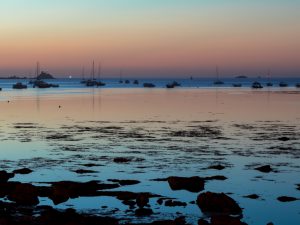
136	156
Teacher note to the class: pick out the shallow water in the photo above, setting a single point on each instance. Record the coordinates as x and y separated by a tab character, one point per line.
165	132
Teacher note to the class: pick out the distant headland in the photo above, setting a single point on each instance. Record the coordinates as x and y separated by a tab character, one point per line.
241	77
43	75
13	77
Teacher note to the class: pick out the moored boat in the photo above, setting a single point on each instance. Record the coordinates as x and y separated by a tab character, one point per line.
257	85
237	85
283	84
148	85
19	85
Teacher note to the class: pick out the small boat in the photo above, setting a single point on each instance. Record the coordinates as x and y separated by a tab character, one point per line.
91	83
148	85
172	85
54	85
236	85
283	84
100	84
256	85
218	81
135	82
121	77
176	84
41	84
298	85
31	82
19	85
269	84
127	81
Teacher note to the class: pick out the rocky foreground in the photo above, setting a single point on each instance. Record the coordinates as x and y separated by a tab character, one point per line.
20	202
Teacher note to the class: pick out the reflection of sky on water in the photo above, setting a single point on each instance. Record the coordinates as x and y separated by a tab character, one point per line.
163	155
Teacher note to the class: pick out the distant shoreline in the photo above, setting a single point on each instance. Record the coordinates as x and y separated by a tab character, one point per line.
14	78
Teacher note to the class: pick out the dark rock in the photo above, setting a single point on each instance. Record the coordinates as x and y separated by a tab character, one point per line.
283	139
217	167
203	222
252	196
71	217
142	200
286	199
177	221
5	176
129	203
24	194
125	182
160	201
22	171
210	202
83	171
226	220
90	164
192	184
171	203
59	194
264	169
270	223
63	190
222	220
143	212
122	160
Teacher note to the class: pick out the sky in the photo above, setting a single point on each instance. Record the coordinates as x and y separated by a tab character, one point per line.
158	38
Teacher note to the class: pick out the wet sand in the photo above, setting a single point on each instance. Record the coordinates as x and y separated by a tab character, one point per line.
136	140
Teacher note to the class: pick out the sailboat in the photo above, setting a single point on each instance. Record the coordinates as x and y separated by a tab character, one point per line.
83	81
269	84
121	77
40	83
37	72
218	81
99	83
92	82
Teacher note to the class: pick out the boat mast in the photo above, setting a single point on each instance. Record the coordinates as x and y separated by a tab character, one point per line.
121	74
93	70
37	69
83	71
217	72
99	71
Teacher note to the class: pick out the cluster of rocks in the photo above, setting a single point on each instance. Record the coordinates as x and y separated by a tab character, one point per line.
23	208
